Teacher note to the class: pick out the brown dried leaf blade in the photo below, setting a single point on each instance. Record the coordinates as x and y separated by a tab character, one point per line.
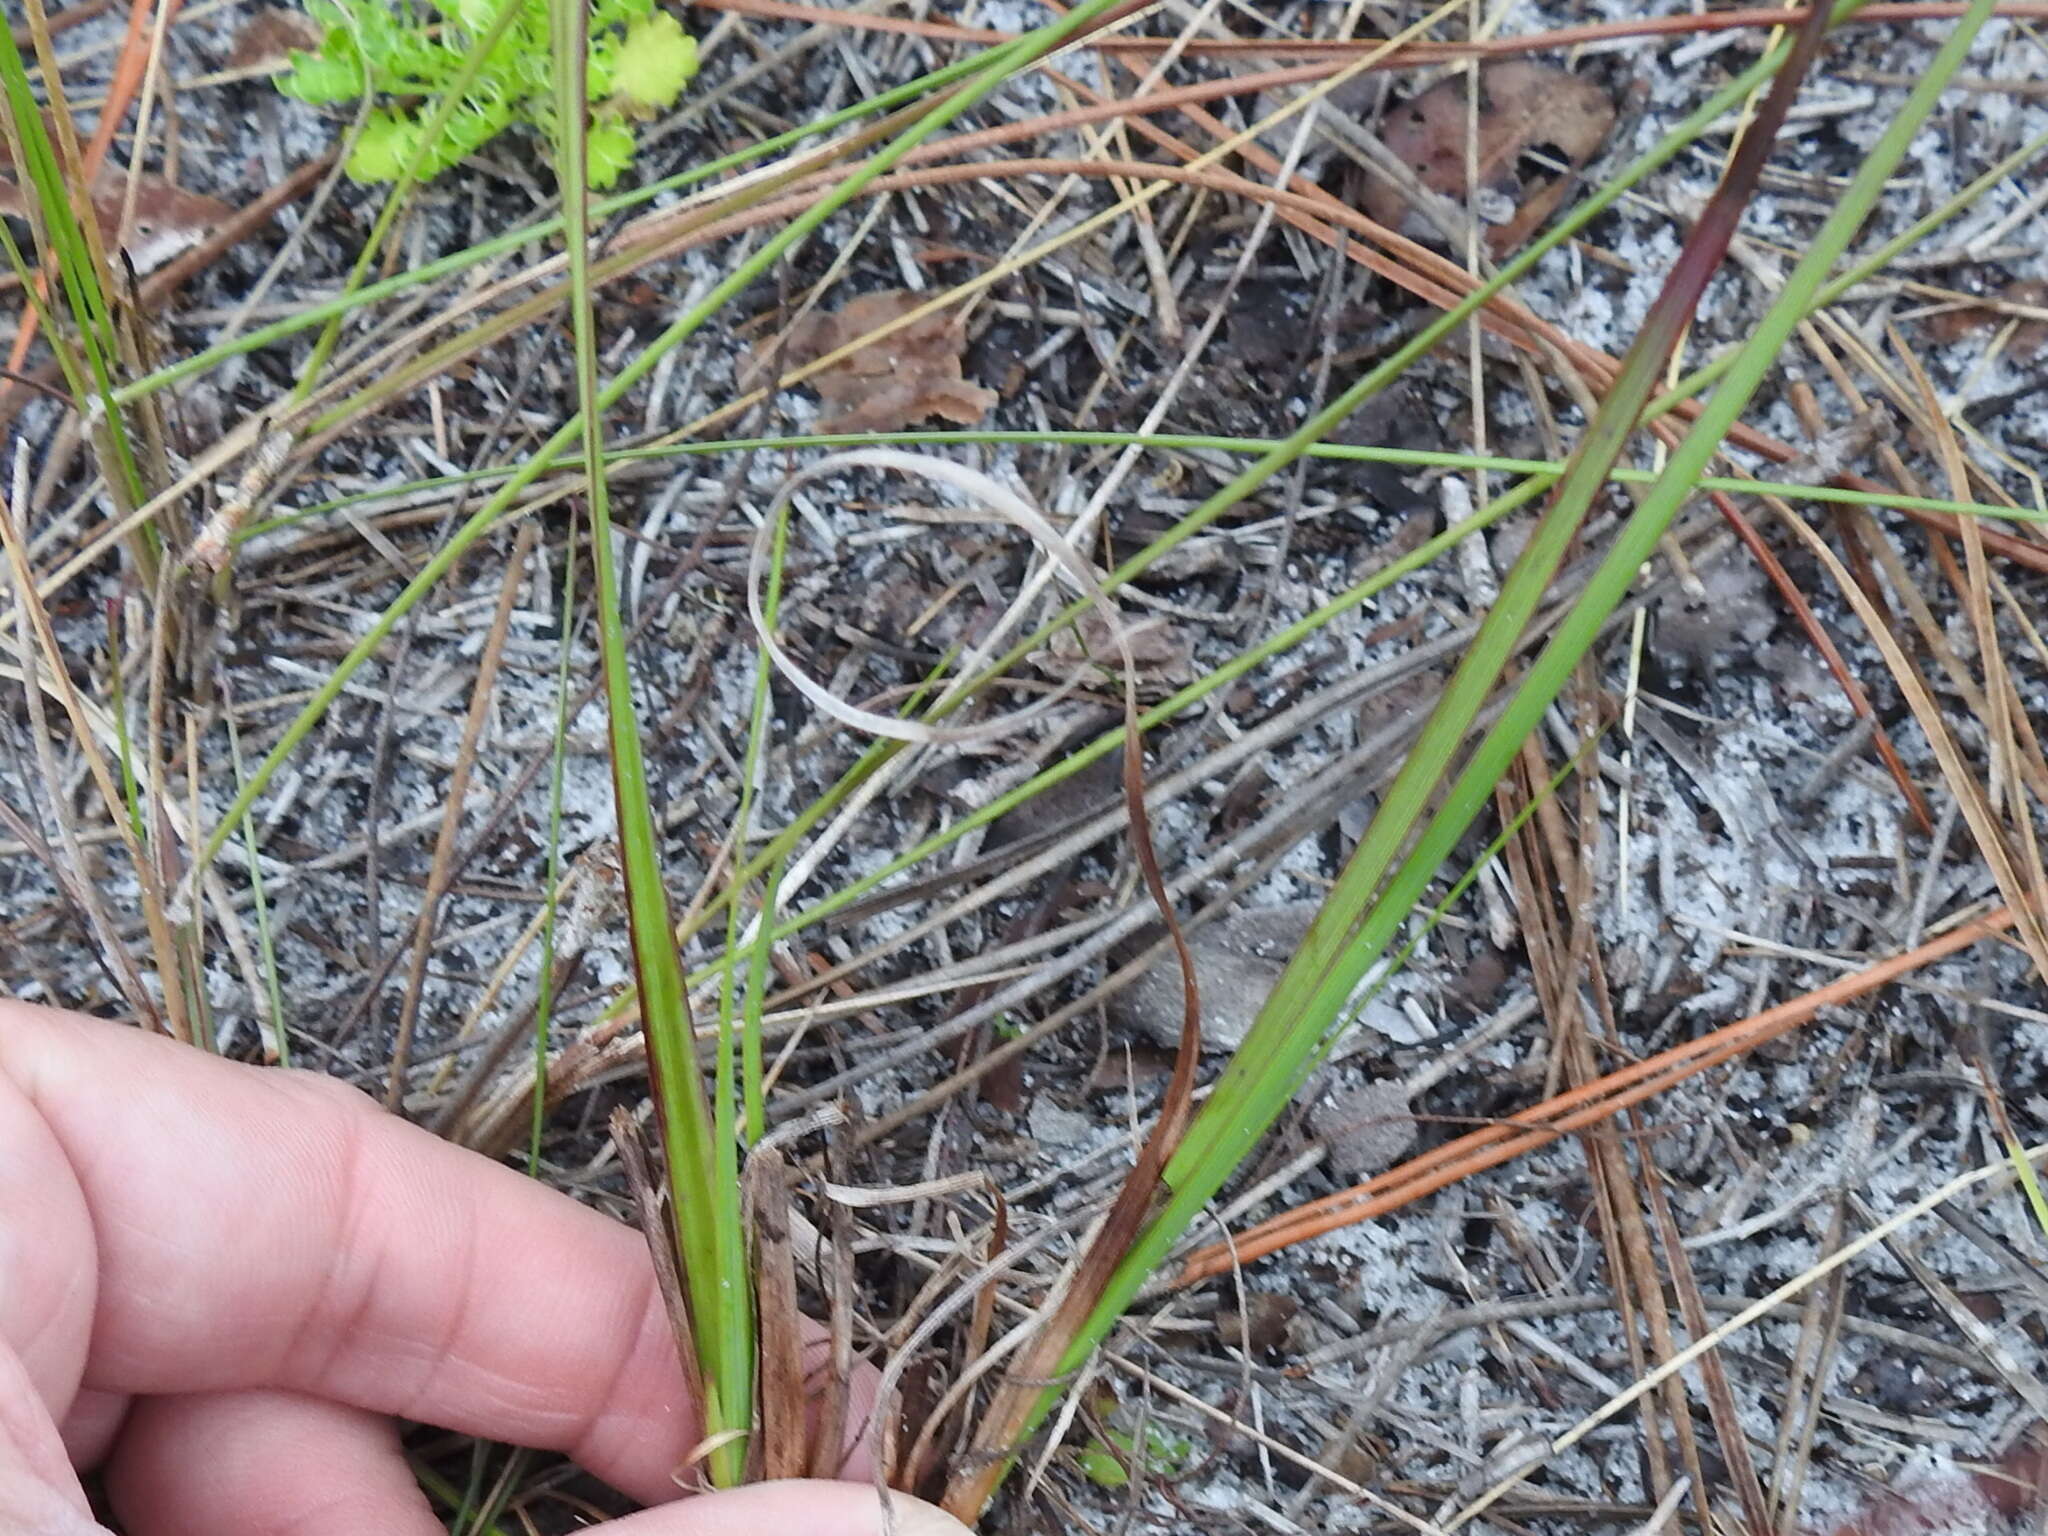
783	1444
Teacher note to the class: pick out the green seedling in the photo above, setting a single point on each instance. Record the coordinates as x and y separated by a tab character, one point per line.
1110	1460
639	60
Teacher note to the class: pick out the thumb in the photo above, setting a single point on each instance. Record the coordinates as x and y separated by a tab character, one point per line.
36	1484
792	1509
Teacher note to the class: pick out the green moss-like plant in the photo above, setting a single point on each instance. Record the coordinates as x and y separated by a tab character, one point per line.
640	59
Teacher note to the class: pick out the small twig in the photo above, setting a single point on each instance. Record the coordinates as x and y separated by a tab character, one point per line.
440	874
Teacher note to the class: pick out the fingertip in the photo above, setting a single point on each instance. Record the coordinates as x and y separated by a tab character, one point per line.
921	1519
37	1489
262	1463
794	1509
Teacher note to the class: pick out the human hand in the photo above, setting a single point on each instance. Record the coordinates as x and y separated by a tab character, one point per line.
217	1282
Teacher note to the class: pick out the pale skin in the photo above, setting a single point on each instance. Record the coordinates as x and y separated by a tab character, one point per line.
220	1285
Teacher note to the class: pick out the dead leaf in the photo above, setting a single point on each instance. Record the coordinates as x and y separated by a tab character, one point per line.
1159	650
1478	984
1360	1459
271	36
1133	1069
1523	105
1238	957
169	221
890	384
782	1444
2027	337
1732	614
1092	790
1265	1323
1367	1125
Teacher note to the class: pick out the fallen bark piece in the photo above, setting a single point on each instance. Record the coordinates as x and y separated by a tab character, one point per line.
1368	1126
1264	1326
1160	651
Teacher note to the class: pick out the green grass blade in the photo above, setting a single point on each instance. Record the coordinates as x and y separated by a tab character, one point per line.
1359	1002
1419	458
1965	197
1256	1089
69	363
1472	682
2029	1181
41	174
447	1495
1323	422
1318	426
695	1136
763	942
779	847
753	1072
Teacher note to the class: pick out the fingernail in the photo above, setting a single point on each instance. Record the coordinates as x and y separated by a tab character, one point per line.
914	1517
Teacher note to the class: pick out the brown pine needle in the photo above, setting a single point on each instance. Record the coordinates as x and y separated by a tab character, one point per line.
1567	1112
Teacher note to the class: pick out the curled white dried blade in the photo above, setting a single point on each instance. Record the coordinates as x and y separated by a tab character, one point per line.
1000	504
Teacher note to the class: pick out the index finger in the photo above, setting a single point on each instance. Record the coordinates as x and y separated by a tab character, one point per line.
251	1227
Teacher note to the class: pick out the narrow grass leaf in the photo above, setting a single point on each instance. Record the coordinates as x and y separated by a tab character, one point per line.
695	1137
81	275
1610	583
1353	930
